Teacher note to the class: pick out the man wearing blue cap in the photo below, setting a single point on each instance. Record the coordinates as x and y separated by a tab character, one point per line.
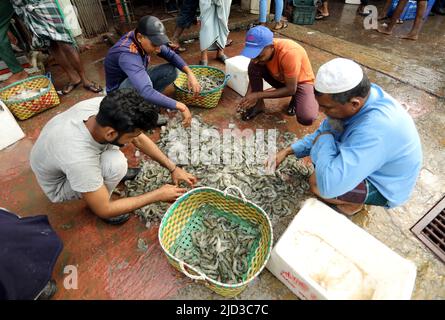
284	64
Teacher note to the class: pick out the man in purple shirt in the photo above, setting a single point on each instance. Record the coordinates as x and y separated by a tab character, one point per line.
127	66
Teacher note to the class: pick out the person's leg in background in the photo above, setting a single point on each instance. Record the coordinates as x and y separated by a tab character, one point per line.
361	8
323	10
279	23
418	21
185	19
75	64
6	52
394	19
263	12
383	13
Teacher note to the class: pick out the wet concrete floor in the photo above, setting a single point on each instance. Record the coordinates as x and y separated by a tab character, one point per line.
109	262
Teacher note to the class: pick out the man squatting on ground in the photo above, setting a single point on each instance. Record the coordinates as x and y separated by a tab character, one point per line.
368	149
127	66
77	154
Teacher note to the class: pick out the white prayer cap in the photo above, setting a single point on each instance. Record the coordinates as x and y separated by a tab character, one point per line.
338	75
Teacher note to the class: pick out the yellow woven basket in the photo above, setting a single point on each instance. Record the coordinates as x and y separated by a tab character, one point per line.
180	220
23	109
206	99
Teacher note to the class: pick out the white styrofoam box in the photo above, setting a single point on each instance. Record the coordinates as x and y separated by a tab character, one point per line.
10	131
352	1
320	245
239	79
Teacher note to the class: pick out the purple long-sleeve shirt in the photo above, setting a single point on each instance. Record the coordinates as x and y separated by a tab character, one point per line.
127	60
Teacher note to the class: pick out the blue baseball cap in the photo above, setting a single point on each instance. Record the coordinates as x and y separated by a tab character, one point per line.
257	39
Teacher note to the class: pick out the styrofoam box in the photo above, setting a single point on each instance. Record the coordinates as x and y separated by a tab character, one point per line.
393	277
10	131
239	79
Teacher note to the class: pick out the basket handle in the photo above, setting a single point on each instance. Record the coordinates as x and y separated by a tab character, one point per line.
237	189
200	277
226	78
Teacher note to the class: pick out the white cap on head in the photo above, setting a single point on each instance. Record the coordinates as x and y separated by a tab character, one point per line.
338	75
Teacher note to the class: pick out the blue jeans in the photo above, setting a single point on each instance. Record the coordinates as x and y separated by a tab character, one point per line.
160	76
278	10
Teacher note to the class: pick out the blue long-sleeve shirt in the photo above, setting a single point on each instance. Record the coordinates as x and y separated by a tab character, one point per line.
379	143
126	60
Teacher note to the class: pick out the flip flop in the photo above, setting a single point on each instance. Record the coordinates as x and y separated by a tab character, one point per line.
229	43
203	63
176	47
321	16
70	87
94	87
251	113
284	25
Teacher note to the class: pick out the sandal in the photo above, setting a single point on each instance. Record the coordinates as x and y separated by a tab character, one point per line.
70	87
94	87
176	47
321	16
251	113
283	25
203	63
229	42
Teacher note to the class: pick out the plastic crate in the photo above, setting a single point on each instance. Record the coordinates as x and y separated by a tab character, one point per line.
409	13
304	14
304	2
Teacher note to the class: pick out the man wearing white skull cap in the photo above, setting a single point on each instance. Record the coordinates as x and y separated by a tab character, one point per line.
367	150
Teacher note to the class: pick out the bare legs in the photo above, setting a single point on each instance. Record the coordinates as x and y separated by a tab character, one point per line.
69	59
414	33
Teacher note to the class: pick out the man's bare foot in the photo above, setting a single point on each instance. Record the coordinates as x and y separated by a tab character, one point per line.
411	36
349	209
16	77
384	30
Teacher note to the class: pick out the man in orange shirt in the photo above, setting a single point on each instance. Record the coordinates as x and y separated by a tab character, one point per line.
284	64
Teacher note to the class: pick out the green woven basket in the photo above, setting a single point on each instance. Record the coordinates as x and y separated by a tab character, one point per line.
206	99
184	216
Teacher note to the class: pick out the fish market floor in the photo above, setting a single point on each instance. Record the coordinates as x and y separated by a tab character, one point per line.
111	264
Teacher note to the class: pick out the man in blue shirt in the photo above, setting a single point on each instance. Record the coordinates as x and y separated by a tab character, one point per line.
367	150
127	66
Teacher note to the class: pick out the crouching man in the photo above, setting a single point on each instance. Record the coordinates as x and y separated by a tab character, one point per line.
77	154
367	151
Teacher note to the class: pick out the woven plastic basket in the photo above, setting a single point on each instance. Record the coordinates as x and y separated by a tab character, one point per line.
23	109
182	218
206	99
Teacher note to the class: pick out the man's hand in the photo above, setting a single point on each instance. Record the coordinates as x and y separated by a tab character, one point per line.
187	116
278	158
248	101
179	175
193	85
169	193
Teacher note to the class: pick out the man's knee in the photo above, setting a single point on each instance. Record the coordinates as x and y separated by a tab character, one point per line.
114	165
306	120
171	72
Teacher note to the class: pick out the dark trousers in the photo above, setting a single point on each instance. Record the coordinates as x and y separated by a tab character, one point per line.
306	106
6	52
